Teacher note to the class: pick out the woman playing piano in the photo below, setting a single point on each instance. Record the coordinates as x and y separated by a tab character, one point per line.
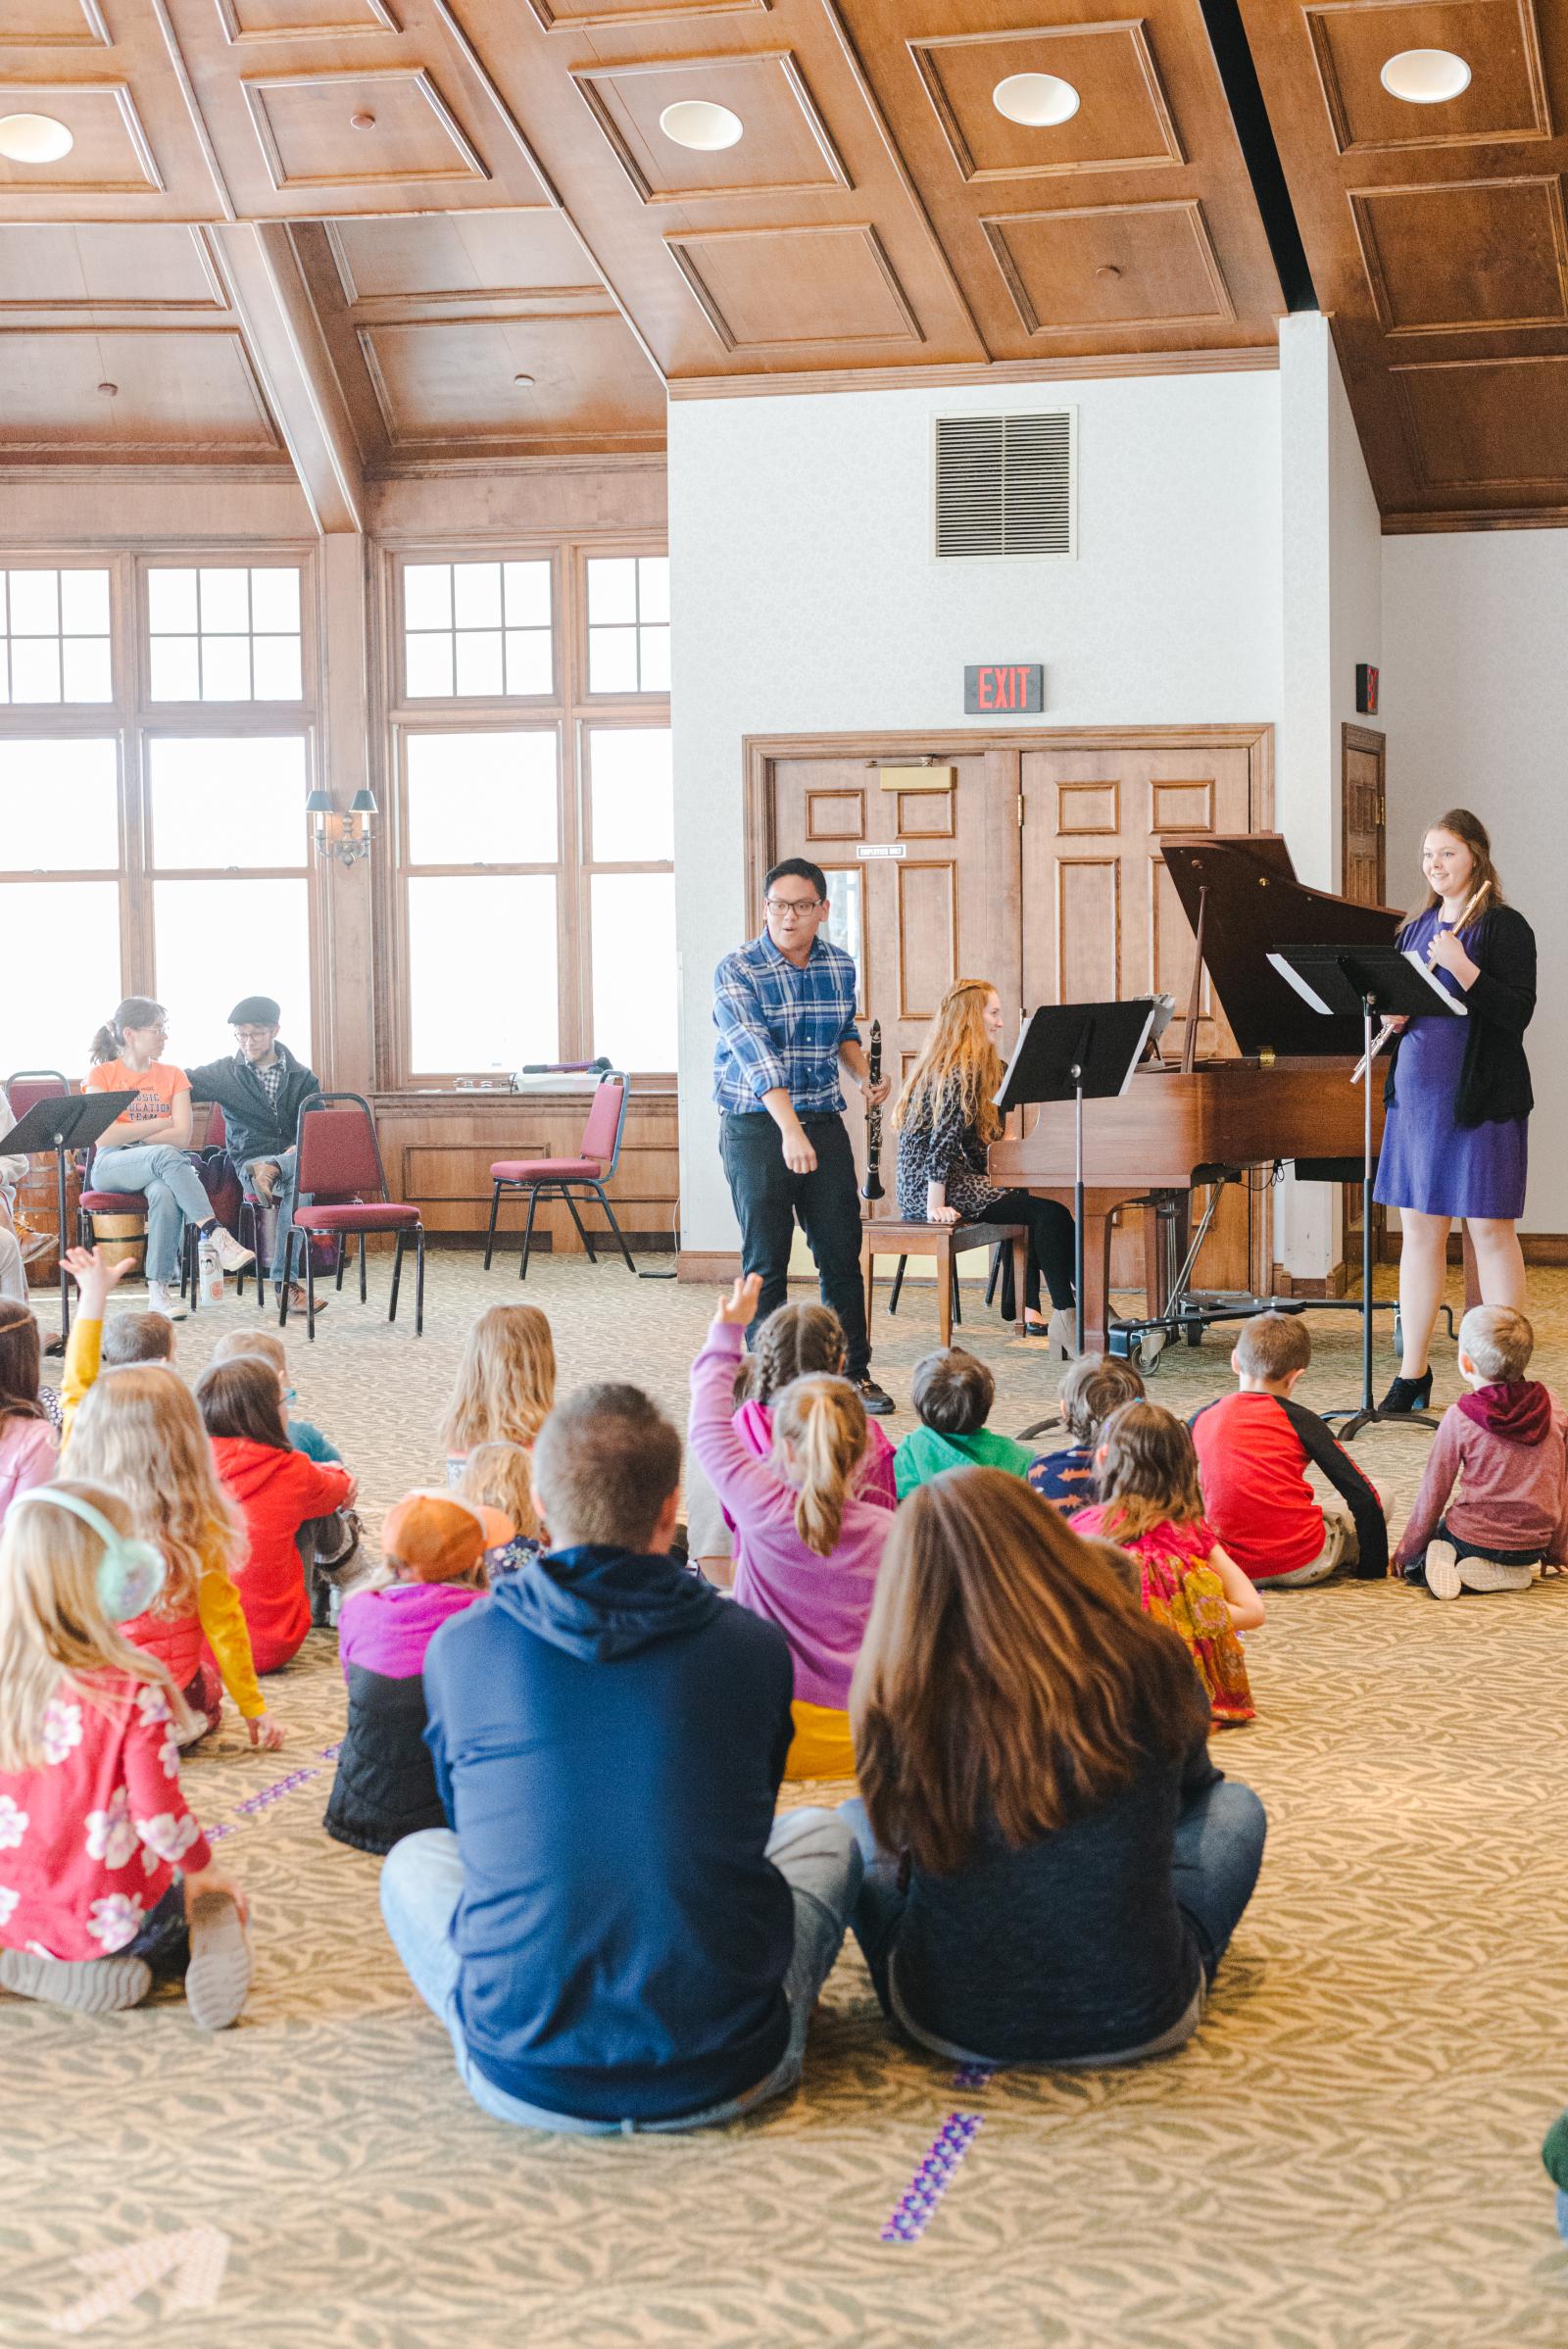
946	1120
1458	1093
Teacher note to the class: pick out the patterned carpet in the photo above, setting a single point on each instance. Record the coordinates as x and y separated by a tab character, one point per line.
1344	2158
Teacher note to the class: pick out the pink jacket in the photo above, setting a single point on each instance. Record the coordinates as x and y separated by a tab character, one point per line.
28	1456
1509	1495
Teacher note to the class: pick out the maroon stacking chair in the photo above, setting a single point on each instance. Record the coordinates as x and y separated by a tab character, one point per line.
338	1163
598	1157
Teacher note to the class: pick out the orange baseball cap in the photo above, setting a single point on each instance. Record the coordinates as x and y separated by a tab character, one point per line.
442	1536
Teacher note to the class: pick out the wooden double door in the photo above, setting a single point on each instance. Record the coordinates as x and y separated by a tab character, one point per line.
1029	861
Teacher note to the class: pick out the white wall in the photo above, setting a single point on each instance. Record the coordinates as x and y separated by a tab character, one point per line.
1475	695
806	600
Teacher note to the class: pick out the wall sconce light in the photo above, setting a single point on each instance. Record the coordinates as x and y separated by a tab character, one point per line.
345	837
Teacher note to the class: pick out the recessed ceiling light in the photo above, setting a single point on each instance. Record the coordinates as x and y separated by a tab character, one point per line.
34	138
111	391
1425	77
363	120
522	381
1038	100
699	123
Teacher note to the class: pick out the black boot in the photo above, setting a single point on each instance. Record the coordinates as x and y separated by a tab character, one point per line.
1408	1394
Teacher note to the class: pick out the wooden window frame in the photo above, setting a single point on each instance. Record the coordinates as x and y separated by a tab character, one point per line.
132	720
570	711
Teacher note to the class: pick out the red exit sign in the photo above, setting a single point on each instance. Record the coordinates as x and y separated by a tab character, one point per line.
1011	685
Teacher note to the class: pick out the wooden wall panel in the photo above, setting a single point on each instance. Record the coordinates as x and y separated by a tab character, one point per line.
1088	929
439	1148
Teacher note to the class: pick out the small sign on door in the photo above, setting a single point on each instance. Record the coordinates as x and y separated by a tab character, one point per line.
866	850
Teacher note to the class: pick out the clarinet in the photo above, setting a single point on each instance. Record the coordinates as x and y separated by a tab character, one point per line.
871	1188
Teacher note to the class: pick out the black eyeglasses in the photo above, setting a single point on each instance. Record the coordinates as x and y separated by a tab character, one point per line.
785	907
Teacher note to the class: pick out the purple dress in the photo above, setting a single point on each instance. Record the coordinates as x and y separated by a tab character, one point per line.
1428	1161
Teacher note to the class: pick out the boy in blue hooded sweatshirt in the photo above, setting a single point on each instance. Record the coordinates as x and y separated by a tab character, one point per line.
614	1927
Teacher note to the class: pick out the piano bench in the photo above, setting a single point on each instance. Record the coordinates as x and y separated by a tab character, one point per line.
945	1244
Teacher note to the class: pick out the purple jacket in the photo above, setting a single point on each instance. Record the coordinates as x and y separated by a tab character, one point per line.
389	1630
820	1604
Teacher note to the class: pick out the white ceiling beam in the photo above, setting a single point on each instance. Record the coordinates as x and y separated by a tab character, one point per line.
269	294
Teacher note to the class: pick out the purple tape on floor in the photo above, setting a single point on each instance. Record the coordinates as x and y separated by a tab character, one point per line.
263	1799
976	2076
918	2204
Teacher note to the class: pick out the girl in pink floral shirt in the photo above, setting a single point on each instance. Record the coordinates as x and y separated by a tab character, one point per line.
106	1878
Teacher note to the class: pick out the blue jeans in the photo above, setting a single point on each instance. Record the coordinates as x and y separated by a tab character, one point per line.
173	1194
422	1884
282	1218
1215	1856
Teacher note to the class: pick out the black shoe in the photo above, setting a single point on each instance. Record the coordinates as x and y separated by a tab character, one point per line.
876	1399
1407	1395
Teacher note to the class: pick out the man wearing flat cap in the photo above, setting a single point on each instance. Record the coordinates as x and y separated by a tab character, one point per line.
260	1090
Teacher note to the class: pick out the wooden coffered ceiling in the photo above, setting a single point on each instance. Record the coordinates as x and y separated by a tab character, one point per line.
380	234
376	236
1436	239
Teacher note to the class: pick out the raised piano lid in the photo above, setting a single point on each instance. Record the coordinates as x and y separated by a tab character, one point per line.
1256	904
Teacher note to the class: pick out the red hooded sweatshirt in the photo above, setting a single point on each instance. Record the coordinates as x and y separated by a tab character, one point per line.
277	1492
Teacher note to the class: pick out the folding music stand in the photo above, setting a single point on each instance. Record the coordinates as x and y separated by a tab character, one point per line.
1337	981
66	1121
1077	1052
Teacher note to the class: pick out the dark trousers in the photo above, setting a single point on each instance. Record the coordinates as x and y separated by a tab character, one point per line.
1051	1242
768	1199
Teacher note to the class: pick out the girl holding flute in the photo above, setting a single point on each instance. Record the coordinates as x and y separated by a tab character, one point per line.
1458	1093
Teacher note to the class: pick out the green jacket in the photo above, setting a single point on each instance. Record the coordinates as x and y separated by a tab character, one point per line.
924	1453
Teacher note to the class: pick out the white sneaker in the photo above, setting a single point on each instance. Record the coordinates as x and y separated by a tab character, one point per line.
1490	1574
161	1298
1443	1579
232	1256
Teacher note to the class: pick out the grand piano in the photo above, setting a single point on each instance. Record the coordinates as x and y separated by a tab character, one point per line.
1286	1096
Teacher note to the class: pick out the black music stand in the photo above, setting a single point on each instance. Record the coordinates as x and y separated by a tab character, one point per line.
65	1121
1076	1053
1337	981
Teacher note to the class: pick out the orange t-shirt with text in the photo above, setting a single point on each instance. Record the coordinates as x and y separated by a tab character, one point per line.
155	1089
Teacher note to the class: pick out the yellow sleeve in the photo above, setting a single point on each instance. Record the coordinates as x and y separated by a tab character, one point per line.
224	1622
81	1369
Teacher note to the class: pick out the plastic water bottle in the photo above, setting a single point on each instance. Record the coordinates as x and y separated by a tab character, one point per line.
208	1271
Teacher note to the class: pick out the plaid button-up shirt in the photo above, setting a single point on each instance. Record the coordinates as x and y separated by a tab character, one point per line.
269	1077
781	1024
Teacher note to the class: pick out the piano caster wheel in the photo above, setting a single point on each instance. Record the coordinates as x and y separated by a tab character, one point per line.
1193	1332
1146	1350
1398	1336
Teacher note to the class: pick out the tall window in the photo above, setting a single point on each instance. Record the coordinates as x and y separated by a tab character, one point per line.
150	842
534	885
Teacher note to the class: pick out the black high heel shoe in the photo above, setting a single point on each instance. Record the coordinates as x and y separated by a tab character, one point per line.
1408	1394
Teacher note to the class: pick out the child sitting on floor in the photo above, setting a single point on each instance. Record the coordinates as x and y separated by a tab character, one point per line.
278	1490
498	1480
807	1544
1506	1445
952	1393
1254	1451
139	1430
328	1544
28	1447
1096	1386
109	1881
1152	1505
506	1383
385	1789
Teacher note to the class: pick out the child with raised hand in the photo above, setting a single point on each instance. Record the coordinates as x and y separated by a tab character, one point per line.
801	1338
278	1490
808	1542
139	1430
498	1480
506	1383
106	1878
28	1447
1253	1451
434	1545
1152	1505
1493	1501
952	1393
1096	1386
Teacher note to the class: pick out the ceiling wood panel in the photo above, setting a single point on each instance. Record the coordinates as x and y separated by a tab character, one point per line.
1124	122
1436	240
101	265
113	155
54	25
183	388
303	19
786	148
773	288
1110	265
372	129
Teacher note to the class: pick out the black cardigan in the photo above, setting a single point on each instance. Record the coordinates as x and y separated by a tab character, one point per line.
1494	1081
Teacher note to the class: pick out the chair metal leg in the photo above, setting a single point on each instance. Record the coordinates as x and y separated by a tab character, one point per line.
898	1285
620	1237
257	1234
419	1281
310	1294
527	1231
288	1276
342	1253
490	1235
571	1210
361	1269
397	1275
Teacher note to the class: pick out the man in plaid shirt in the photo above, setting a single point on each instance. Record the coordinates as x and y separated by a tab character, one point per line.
784	1008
